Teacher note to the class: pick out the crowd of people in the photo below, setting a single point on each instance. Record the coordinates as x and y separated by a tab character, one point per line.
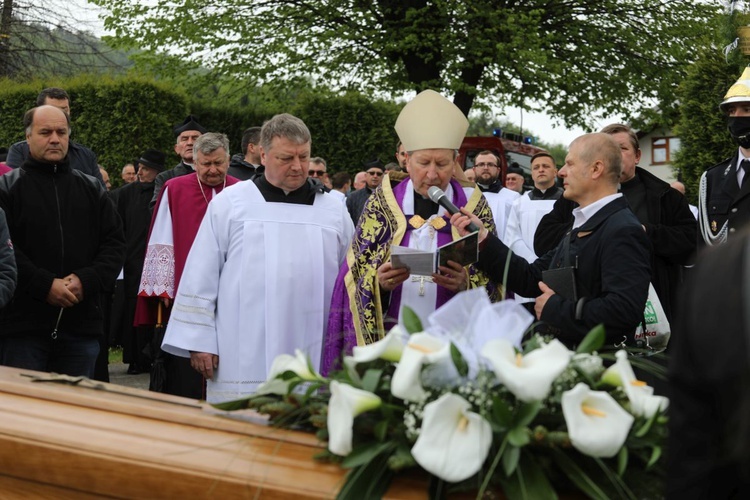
249	256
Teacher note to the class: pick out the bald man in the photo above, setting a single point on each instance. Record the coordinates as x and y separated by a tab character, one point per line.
607	247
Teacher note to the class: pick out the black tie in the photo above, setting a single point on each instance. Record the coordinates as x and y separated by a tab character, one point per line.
745	164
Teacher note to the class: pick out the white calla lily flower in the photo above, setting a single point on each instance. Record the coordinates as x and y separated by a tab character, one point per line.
469	320
453	442
597	425
421	349
388	348
299	364
643	402
345	404
528	377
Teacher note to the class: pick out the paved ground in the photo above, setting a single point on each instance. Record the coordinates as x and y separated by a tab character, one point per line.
118	374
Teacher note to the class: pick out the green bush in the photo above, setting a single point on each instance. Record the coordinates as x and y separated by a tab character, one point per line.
350	129
118	118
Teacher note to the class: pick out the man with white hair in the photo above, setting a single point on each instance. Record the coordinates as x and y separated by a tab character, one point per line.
370	292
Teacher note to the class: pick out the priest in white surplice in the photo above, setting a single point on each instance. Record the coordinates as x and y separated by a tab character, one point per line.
259	276
528	210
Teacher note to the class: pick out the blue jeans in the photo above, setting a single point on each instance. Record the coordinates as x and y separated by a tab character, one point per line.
68	354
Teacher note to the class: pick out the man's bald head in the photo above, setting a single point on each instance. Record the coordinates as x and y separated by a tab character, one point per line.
47	133
600	146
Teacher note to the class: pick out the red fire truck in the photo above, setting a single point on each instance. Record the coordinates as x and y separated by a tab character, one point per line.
510	148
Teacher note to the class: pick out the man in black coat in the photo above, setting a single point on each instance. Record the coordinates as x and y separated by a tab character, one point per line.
355	202
132	205
7	263
663	212
246	165
724	194
80	157
607	246
709	414
68	245
186	134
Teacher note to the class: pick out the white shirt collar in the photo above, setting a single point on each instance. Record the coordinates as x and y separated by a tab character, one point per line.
582	215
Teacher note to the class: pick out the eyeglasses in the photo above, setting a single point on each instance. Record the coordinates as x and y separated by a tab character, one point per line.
376	173
316	173
485	165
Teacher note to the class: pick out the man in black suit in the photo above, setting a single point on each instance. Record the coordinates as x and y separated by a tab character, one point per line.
607	245
709	414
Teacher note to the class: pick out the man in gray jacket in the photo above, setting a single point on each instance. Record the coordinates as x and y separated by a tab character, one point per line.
7	263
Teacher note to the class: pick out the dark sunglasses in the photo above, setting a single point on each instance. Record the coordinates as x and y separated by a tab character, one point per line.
316	173
376	173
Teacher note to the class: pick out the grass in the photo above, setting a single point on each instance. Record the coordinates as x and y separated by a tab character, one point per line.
115	355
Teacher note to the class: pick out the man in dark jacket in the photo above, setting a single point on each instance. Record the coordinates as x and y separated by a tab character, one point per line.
607	246
7	263
80	157
186	134
246	165
355	202
68	245
663	212
132	205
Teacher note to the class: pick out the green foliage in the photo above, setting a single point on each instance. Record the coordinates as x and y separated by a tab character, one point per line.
350	130
702	127
575	56
117	118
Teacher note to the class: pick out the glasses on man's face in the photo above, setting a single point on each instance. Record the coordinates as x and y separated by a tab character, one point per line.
377	173
485	165
316	173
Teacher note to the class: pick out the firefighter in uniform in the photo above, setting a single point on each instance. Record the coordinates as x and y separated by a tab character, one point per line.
724	194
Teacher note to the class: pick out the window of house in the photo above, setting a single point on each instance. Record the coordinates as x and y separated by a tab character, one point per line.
663	149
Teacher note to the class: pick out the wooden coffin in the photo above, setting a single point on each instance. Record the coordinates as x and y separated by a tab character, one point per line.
89	440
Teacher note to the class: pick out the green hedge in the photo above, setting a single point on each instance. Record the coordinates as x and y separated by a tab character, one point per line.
350	129
118	118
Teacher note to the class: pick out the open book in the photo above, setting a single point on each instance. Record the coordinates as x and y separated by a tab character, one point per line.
465	251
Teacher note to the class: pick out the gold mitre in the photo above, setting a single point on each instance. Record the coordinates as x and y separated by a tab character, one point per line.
739	92
430	121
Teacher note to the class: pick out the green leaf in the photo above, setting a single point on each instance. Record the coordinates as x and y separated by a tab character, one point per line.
518	436
527	413
620	487
655	455
458	360
371	380
528	482
582	480
643	430
510	459
622	461
501	412
593	341
411	321
364	453
381	430
370	480
237	404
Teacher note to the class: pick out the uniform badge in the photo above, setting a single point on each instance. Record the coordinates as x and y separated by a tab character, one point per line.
714	226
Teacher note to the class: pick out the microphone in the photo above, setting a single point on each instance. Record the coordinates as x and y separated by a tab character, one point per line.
438	196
